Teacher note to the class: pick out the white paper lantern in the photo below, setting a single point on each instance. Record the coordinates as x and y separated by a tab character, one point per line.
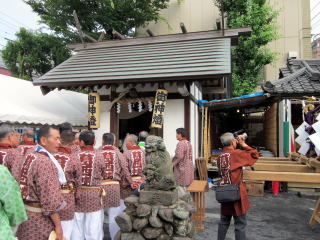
150	106
118	107
140	106
129	108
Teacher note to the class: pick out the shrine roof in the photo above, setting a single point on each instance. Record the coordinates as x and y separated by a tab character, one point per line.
299	78
176	57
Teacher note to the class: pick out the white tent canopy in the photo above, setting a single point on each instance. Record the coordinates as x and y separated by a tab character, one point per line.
23	103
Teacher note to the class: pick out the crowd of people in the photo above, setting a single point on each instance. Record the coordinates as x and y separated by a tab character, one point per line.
61	185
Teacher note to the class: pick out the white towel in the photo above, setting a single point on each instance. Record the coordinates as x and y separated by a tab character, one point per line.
61	176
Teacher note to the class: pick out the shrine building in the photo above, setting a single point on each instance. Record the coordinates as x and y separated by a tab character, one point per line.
127	74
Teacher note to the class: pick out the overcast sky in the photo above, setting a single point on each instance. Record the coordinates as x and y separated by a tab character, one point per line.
315	16
15	14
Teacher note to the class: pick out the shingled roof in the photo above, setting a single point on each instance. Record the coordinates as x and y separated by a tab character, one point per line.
200	55
300	78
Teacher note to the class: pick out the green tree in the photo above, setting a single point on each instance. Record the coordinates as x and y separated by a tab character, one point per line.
251	54
96	16
33	54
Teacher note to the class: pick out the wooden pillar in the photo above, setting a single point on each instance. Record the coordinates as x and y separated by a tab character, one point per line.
202	133
114	117
156	131
277	129
187	116
160	132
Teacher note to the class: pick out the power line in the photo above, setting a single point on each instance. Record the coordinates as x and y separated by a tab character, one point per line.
8	39
2	23
315	23
7	33
315	16
15	20
6	22
315	6
7	25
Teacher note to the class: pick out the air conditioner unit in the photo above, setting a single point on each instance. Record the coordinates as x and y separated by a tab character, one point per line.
292	55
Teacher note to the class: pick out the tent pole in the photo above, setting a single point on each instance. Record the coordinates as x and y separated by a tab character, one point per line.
202	131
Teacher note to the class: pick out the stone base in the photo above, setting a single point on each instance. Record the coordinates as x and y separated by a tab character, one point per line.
158	197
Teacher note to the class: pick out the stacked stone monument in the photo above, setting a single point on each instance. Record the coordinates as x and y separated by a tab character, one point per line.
158	212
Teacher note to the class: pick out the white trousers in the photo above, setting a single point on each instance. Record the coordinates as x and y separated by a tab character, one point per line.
113	212
88	226
67	227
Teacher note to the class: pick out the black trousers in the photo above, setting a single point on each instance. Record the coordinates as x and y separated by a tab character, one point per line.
240	223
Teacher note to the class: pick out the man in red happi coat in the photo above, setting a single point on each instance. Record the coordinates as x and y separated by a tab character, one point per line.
90	195
28	145
182	161
230	164
66	126
135	162
9	155
72	169
27	142
115	171
40	180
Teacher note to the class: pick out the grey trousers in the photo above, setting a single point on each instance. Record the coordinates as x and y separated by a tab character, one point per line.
240	223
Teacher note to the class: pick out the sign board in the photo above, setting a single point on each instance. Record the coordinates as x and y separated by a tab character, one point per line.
94	110
159	107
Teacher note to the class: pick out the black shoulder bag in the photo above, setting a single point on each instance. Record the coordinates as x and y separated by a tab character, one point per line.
228	192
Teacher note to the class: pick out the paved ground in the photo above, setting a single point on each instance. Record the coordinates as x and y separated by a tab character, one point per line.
283	217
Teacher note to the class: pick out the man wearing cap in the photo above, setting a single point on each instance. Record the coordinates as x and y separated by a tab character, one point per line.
89	197
72	170
40	180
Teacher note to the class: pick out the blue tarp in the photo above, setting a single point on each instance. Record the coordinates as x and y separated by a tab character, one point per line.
202	102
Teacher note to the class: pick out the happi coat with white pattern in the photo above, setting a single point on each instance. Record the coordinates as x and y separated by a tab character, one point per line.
112	176
89	196
10	158
134	162
71	167
230	165
40	188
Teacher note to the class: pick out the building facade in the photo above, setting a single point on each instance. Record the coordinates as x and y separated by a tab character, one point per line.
293	24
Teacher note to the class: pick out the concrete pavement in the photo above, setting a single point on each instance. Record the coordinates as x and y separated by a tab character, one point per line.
283	217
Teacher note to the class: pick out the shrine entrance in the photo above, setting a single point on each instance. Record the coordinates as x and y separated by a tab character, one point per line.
133	123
